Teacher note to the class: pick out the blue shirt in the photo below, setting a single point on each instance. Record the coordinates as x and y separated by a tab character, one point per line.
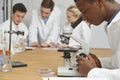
45	20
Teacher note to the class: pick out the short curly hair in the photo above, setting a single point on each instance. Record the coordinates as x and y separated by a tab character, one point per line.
94	0
48	4
19	7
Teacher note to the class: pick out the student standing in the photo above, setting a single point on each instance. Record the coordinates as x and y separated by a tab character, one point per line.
45	24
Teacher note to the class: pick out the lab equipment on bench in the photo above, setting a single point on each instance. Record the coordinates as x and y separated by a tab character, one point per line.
69	67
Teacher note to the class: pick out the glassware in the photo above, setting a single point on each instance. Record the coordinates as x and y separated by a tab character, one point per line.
5	61
19	46
46	72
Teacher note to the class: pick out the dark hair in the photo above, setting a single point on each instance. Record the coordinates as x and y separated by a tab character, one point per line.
75	1
48	4
85	0
19	7
94	0
112	1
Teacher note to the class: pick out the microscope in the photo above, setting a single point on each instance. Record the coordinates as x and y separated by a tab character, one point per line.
64	39
69	67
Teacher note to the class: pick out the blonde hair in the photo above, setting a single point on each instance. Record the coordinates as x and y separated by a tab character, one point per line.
74	10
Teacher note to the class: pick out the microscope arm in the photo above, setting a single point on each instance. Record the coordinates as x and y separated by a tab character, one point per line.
84	45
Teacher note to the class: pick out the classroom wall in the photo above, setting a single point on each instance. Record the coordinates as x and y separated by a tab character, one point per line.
99	39
32	4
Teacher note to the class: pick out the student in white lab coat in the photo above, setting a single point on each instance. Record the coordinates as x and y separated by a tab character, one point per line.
81	30
75	27
19	11
45	24
95	12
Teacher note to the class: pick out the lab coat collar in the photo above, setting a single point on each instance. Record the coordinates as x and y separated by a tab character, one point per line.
39	13
13	24
115	19
53	14
113	16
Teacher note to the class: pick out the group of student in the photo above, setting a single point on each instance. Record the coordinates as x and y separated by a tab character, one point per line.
45	27
45	30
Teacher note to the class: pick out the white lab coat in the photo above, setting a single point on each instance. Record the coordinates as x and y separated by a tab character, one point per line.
14	38
104	73
40	32
81	31
113	31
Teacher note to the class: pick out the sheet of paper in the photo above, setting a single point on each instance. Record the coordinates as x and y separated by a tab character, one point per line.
72	78
50	48
30	48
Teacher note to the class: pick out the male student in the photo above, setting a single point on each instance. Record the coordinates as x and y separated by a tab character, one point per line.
45	24
19	11
95	12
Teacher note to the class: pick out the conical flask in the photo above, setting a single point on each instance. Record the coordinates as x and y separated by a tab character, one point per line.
5	61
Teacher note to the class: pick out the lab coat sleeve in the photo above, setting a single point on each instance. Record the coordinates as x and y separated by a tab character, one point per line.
76	33
25	29
55	33
1	33
86	32
33	28
112	74
82	31
25	35
5	27
106	62
73	43
26	32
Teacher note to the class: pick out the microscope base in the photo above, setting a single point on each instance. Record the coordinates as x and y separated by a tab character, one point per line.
67	71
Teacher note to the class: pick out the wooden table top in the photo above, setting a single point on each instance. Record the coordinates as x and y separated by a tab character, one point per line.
38	59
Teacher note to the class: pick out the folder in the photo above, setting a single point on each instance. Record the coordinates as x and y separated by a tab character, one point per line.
16	64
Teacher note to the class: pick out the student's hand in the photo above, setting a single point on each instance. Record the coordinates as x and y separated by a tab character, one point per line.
34	44
62	46
57	45
44	44
85	64
53	45
97	61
